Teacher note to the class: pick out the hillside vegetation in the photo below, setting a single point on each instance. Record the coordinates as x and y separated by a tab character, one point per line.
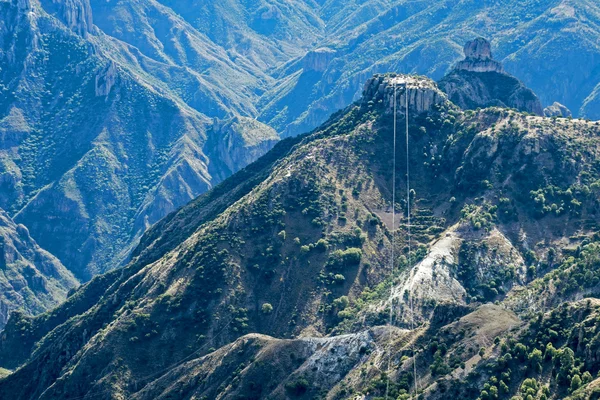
503	271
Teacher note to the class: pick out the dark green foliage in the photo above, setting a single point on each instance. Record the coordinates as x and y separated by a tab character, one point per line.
297	387
340	259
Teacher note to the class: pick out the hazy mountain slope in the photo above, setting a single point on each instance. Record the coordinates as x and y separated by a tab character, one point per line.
265	32
277	248
31	279
187	63
94	148
424	37
540	59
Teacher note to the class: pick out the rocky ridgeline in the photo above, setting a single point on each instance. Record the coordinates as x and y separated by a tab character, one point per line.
423	93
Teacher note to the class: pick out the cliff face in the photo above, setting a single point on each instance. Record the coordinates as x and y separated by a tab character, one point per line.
423	93
75	14
238	142
318	60
478	58
31	279
480	81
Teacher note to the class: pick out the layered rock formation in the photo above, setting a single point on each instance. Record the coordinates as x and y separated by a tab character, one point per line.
31	279
478	57
480	81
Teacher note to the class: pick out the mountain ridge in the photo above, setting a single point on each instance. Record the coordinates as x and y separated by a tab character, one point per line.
291	77
331	190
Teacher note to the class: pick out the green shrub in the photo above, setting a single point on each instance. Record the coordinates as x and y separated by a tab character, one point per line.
322	245
344	258
297	387
267	308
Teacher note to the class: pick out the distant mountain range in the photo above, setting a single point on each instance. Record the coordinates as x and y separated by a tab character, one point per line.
115	114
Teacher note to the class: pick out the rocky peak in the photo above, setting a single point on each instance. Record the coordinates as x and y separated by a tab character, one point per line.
318	60
422	92
557	110
478	49
480	81
478	57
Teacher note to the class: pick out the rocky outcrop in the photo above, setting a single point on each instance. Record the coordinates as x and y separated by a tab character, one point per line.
31	279
423	93
106	79
479	81
557	110
318	60
478	57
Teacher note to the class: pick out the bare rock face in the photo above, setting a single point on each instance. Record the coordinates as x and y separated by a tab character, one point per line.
479	81
478	49
423	93
31	279
478	57
75	14
557	110
318	60
106	79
